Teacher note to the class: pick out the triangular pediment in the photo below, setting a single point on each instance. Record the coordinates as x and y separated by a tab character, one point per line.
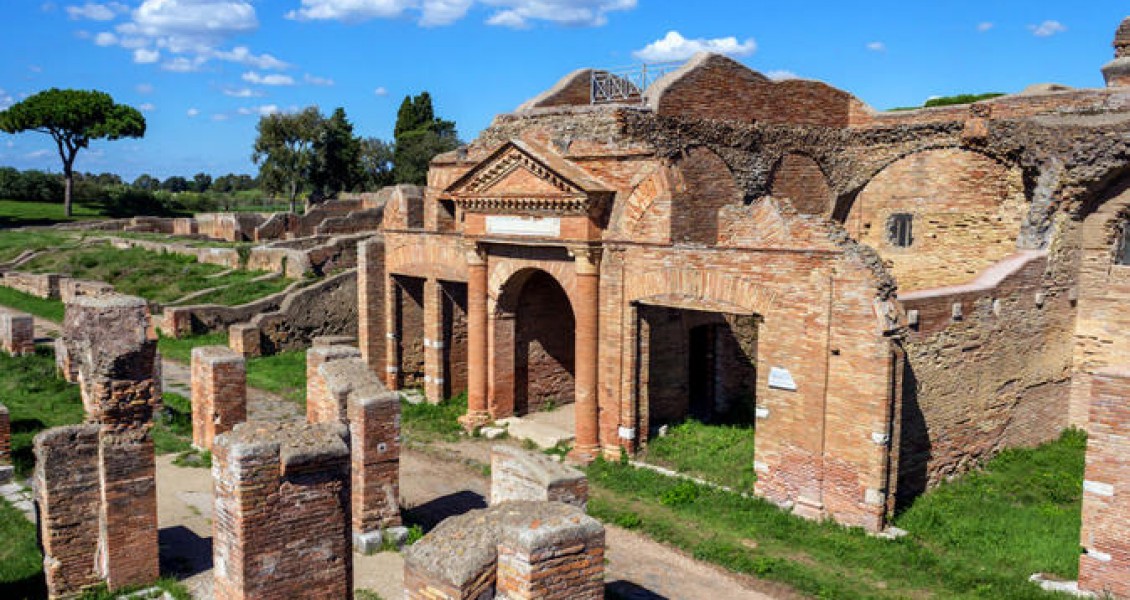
520	169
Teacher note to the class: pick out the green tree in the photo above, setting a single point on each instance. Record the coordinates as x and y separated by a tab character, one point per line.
175	184
420	136
147	183
284	151
201	182
337	156
73	118
376	163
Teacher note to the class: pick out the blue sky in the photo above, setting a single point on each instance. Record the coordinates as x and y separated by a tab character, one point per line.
204	70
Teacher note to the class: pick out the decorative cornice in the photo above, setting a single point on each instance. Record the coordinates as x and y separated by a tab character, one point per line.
566	205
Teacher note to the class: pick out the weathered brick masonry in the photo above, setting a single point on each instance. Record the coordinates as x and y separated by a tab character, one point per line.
219	393
1104	567
5	445
517	474
520	549
281	520
322	404
17	333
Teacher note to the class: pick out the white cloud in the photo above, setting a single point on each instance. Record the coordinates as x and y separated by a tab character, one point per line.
6	99
35	68
320	81
242	93
192	112
106	38
147	107
1047	28
674	46
144	88
381	91
876	46
781	75
191	25
273	79
97	12
181	64
146	56
266	109
219	117
38	154
508	13
243	56
984	26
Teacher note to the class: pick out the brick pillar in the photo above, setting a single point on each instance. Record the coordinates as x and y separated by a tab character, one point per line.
551	551
1105	566
17	333
391	369
476	342
517	474
127	544
5	446
244	339
219	393
282	506
587	314
371	303
374	433
67	498
434	372
321	405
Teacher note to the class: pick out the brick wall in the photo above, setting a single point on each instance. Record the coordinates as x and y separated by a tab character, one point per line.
409	295
966	212
42	285
219	393
517	549
517	474
543	346
1104	567
244	339
127	523
17	333
707	186
798	177
281	525
455	337
322	404
370	303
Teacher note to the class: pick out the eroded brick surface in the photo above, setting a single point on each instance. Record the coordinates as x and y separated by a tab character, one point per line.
219	393
17	333
517	474
1104	567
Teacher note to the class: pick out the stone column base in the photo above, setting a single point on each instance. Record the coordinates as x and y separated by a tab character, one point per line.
474	420
371	542
583	455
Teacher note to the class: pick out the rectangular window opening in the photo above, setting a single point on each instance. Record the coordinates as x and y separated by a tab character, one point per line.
900	230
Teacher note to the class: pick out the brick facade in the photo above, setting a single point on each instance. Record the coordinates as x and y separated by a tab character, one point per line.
281	524
1104	567
517	474
219	393
520	549
17	333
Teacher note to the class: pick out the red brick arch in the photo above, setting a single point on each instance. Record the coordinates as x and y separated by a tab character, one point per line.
503	272
423	259
712	290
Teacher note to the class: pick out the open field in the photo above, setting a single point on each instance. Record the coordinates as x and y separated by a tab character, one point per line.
14	213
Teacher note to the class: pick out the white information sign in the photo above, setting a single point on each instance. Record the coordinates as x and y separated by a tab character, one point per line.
781	379
533	226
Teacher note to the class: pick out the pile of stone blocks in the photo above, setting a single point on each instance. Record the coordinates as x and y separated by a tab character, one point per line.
517	474
17	333
521	549
219	393
282	512
95	484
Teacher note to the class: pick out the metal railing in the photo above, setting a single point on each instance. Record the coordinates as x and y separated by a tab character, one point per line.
627	84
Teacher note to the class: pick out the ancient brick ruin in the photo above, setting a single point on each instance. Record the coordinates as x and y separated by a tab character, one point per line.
95	484
219	393
17	333
866	284
520	549
517	474
282	511
6	469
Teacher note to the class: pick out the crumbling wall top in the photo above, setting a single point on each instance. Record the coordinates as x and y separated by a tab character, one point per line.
351	376
297	445
1122	40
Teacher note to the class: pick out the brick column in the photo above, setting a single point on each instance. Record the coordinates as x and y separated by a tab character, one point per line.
476	342
17	333
322	406
434	375
550	551
127	545
244	338
1105	566
391	370
281	525
374	431
219	393
587	314
371	308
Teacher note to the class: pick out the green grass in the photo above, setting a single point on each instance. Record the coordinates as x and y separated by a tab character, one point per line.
283	374
52	310
36	399
978	537
425	422
21	564
155	276
15	213
172	428
13	243
243	292
366	595
721	454
180	349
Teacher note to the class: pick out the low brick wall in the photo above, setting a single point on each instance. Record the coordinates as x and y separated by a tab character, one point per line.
244	339
322	406
517	474
282	506
544	550
219	393
1104	567
17	332
41	285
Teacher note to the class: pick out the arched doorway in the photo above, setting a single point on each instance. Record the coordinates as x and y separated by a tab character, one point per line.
534	345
